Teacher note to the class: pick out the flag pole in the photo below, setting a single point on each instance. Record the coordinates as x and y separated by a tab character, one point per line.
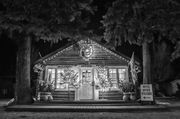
133	73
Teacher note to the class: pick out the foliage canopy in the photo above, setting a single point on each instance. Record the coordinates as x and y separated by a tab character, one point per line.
137	21
50	20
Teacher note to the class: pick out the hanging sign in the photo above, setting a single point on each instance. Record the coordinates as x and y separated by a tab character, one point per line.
146	92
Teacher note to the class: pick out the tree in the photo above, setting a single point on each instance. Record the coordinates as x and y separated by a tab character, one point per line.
141	22
176	53
48	20
162	69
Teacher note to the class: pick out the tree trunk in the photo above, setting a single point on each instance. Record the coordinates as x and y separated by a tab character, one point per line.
146	64
23	88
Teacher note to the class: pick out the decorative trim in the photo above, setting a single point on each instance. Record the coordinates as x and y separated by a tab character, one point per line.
107	50
85	45
55	55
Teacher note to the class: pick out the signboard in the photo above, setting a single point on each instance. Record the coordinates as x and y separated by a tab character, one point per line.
146	92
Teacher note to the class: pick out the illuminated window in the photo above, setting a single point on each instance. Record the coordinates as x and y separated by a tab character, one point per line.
51	75
55	75
113	77
117	74
60	83
122	74
86	76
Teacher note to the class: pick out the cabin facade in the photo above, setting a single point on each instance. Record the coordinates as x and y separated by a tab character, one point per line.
85	70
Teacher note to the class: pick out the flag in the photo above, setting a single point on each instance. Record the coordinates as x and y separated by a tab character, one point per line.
49	76
132	69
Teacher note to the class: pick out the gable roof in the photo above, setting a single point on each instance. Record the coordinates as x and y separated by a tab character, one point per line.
104	54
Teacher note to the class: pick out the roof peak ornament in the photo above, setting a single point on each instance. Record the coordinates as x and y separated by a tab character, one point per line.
86	50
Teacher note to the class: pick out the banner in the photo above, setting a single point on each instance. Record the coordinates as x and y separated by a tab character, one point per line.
132	69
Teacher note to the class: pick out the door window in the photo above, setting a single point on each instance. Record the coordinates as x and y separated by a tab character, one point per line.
86	76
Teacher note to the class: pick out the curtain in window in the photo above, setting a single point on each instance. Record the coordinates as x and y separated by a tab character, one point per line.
51	76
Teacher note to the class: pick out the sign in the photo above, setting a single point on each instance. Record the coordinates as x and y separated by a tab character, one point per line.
146	92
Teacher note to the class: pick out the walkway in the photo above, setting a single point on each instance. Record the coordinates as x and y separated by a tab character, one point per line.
117	106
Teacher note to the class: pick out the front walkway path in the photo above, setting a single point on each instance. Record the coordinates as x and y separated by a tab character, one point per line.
162	105
108	107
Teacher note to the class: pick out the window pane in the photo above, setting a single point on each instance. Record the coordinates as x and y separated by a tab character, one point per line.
63	83
113	77
112	73
53	71
51	76
122	74
59	83
86	76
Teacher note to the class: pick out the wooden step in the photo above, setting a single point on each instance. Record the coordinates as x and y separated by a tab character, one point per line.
62	92
110	95
87	103
63	95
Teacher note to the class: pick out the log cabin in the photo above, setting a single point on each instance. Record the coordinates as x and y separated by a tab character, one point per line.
84	70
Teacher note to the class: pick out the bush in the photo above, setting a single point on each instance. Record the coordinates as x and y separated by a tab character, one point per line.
45	86
127	86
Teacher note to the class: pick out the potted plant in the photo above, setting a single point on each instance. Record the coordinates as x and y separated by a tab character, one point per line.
125	86
132	92
128	90
45	89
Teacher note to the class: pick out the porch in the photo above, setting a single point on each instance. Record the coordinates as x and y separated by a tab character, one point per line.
58	96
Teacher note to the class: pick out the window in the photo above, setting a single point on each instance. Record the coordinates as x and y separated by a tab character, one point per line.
122	74
59	83
86	76
51	75
117	74
55	75
113	77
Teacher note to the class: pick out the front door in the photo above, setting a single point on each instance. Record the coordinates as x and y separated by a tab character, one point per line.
86	88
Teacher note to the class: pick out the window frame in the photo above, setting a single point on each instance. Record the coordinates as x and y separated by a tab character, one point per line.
56	68
117	74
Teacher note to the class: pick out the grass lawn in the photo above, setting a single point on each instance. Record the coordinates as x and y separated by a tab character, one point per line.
98	115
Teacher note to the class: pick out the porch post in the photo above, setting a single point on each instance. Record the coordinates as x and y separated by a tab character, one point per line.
96	91
39	70
40	77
